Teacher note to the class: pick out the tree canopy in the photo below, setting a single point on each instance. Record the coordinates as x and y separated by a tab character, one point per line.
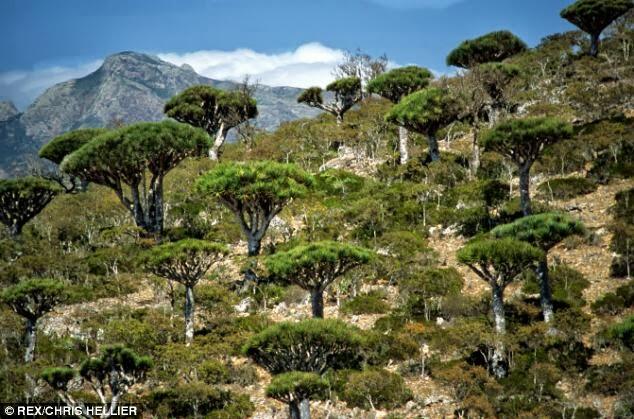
492	47
22	199
296	388
315	266
255	192
62	145
425	112
214	110
122	157
400	82
593	16
347	92
522	141
281	348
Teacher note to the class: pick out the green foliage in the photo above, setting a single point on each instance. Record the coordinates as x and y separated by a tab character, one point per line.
115	359
492	47
495	77
425	111
296	386
400	82
593	16
197	399
567	285
317	264
425	292
58	377
22	199
211	109
614	303
473	388
612	379
63	145
566	188
541	230
623	333
185	261
32	298
507	256
346	86
372	302
311	96
280	348
338	182
523	139
378	389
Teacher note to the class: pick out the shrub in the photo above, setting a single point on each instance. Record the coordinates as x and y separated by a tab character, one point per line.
213	372
371	303
610	304
567	285
623	333
566	188
376	389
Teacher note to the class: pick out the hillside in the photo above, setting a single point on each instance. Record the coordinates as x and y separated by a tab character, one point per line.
128	87
459	286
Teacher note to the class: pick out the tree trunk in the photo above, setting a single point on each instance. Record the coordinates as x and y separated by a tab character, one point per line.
293	410
525	197
189	314
339	118
30	340
497	361
221	135
317	302
155	211
403	148
253	245
474	164
304	409
434	152
15	229
594	44
545	296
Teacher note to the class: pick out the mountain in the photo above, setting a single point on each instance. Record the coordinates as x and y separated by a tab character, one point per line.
128	87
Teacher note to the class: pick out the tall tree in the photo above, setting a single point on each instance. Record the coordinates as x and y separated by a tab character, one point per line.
543	231
593	16
315	266
255	192
32	299
110	376
214	110
22	199
394	86
296	389
522	141
121	159
63	145
484	85
186	261
499	262
425	112
347	93
492	47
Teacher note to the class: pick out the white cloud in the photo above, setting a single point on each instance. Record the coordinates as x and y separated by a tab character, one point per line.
416	4
309	65
22	87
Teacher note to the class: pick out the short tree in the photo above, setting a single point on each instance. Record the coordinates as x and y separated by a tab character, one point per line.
120	159
296	389
313	345
499	262
186	261
22	199
32	299
522	141
395	85
255	192
110	376
214	110
425	112
63	145
315	266
593	16
347	93
492	47
543	231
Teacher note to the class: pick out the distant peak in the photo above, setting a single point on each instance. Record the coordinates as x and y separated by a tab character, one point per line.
7	110
114	61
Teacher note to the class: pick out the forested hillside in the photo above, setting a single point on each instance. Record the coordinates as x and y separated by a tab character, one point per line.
458	246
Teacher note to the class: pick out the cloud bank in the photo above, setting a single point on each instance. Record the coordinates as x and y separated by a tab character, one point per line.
22	87
309	65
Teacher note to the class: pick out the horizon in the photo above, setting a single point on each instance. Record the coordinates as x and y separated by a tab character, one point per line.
272	43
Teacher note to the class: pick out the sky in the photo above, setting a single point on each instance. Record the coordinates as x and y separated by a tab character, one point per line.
278	42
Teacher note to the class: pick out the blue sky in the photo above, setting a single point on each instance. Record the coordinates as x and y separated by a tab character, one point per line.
46	41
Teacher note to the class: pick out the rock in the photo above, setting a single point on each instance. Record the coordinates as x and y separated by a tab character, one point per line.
440	321
280	308
411	405
243	305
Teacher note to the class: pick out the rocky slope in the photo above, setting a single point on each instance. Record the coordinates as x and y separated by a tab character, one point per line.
128	87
